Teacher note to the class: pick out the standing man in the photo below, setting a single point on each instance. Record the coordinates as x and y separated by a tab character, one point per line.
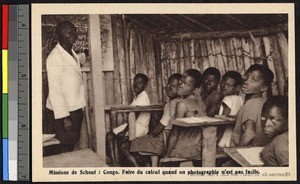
66	89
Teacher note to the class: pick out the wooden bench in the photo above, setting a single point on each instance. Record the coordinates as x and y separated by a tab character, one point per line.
127	114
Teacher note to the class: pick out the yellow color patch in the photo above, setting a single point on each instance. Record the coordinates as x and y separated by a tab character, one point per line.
4	71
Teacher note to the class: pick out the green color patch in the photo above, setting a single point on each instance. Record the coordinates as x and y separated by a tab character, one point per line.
4	116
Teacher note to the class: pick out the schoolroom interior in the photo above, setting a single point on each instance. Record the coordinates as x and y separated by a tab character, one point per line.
114	48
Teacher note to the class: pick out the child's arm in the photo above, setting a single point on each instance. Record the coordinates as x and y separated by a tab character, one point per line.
213	108
226	109
159	128
181	109
248	134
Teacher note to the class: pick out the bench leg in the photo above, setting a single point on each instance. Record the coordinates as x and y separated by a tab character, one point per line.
209	146
186	164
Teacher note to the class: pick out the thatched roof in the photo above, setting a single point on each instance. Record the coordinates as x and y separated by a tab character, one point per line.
174	24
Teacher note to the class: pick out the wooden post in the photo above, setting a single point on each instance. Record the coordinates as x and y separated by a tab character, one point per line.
172	58
204	53
197	53
107	122
218	57
158	70
113	115
87	114
186	55
283	47
223	51
96	70
279	70
132	70
270	62
251	45
152	69
210	53
122	62
109	87
177	57
246	48
237	45
182	67
116	75
209	146
131	122
257	51
192	60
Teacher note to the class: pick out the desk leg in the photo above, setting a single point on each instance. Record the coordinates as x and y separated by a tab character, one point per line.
114	124
209	146
131	122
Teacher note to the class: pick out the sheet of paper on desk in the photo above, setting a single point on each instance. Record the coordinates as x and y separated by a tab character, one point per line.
252	155
119	128
47	137
199	119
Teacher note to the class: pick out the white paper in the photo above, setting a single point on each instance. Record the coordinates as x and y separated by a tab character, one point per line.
47	137
199	119
252	155
119	128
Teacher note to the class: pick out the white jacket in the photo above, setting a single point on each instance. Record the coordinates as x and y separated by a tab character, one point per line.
66	89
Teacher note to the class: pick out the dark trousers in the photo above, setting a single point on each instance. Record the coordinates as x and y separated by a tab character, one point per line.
72	136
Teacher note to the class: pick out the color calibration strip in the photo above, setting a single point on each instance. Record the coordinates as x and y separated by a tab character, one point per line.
5	32
13	93
23	93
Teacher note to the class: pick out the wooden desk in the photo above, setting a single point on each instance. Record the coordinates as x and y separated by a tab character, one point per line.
236	156
209	134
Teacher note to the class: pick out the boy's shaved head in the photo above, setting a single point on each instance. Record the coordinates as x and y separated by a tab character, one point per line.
266	73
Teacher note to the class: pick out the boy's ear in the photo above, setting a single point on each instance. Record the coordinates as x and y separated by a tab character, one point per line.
146	85
263	88
237	88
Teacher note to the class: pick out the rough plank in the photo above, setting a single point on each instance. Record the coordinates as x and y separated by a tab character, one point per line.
284	51
116	76
131	122
246	48
237	45
122	65
223	51
96	70
210	53
204	57
209	146
279	70
270	63
218	57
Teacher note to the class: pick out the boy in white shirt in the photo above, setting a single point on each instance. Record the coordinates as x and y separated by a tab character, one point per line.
142	122
231	102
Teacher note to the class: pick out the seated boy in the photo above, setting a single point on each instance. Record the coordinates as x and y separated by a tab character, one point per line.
275	126
231	103
142	122
248	130
209	92
155	143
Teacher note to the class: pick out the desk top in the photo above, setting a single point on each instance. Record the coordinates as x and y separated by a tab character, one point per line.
203	121
240	159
